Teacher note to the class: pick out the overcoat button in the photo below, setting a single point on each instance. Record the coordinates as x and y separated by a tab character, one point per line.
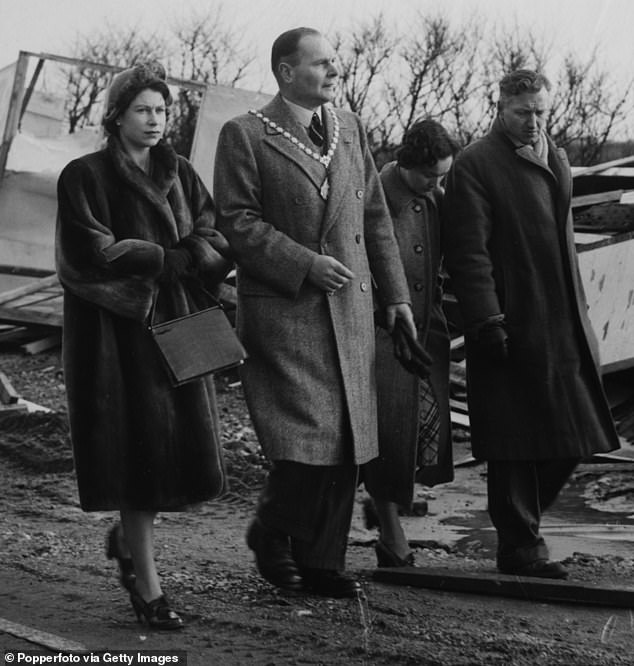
418	286
364	286
418	249
299	200
418	208
358	238
359	194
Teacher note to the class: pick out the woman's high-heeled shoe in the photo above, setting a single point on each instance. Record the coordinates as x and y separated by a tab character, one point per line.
113	552
386	557
157	613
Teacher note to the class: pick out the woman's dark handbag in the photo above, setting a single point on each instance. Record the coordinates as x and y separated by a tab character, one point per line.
197	344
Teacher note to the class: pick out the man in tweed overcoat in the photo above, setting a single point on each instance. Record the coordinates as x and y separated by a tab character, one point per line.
310	232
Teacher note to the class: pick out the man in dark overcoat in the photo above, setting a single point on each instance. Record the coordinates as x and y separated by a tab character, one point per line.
536	401
301	204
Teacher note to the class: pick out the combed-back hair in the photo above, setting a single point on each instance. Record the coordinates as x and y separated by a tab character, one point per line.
425	143
286	45
522	81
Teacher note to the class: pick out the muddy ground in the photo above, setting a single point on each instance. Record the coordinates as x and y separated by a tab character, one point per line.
54	576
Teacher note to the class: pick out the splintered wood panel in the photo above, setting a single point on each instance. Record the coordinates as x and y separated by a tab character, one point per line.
37	303
607	271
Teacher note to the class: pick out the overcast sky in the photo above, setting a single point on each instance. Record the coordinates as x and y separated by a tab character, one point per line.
51	25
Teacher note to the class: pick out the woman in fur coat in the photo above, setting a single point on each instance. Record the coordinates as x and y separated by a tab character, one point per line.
135	232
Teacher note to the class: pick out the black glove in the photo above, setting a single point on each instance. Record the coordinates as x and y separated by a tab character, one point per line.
493	340
176	264
409	352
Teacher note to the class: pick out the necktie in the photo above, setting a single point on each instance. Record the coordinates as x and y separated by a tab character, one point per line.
316	131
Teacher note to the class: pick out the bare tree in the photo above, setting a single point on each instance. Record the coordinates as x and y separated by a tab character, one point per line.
86	84
586	108
451	72
207	51
363	57
200	48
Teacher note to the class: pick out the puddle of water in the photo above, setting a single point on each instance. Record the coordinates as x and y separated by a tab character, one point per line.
458	518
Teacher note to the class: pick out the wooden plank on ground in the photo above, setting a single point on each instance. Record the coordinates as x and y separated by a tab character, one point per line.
457	343
8	395
13	409
36	285
459	419
458	406
43	638
43	344
26	317
598	168
597	198
516	587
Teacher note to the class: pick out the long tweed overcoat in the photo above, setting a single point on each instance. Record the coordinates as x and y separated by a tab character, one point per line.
138	443
391	476
510	250
309	381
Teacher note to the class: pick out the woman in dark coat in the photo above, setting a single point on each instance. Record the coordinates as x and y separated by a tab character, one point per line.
414	418
136	228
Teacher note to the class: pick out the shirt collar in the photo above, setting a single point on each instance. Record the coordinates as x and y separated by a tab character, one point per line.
303	115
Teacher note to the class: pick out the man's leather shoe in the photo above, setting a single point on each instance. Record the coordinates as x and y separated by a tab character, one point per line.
273	556
330	583
538	569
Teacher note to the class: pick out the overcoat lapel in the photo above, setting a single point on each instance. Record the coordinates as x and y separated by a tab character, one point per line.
278	112
558	161
340	169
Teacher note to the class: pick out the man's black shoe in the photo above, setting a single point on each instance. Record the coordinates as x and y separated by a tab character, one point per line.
537	569
330	583
273	556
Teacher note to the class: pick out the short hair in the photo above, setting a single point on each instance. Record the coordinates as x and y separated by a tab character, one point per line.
287	44
522	81
425	143
126	85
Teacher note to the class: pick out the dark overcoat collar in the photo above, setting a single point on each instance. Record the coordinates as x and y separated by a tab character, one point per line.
557	167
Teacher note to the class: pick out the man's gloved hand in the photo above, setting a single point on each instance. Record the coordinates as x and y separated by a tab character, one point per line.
493	339
409	351
176	264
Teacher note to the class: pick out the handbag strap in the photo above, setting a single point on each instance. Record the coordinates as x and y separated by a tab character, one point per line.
196	283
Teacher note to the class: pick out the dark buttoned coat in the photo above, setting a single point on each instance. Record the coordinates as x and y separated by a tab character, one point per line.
416	221
510	250
310	378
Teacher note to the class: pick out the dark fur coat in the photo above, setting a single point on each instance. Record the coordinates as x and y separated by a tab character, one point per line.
138	442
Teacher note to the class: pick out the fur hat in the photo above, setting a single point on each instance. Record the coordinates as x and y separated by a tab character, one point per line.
126	85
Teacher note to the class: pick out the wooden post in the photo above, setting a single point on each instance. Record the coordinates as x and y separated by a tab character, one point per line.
13	116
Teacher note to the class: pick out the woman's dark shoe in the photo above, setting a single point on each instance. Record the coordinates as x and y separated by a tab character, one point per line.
386	557
157	613
113	552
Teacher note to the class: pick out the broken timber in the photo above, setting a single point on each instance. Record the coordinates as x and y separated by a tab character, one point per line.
517	587
38	303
